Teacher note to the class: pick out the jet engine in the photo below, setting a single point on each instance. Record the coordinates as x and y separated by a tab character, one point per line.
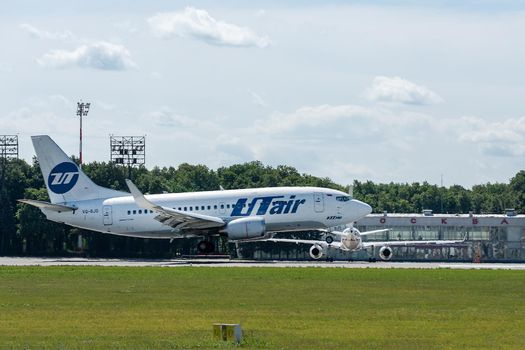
385	253
316	252
248	228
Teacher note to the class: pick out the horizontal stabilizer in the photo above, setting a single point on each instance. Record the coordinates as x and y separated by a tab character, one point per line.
48	206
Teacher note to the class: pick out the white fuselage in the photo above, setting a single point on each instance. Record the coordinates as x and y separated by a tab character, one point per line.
283	208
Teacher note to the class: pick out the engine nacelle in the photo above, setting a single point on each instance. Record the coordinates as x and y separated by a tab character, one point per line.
248	228
385	253
316	252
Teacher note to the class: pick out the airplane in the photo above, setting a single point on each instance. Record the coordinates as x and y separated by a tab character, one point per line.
239	215
351	241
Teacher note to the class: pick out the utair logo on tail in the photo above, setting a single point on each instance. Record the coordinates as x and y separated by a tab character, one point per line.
277	207
63	177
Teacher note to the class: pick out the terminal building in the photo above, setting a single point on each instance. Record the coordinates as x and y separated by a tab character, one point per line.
488	238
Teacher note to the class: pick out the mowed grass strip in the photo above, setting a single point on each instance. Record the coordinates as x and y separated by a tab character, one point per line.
279	308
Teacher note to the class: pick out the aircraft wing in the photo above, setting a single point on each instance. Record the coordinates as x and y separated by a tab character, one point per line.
339	233
369	244
373	232
411	243
305	241
180	220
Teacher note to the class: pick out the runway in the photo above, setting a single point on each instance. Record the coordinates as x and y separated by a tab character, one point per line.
23	261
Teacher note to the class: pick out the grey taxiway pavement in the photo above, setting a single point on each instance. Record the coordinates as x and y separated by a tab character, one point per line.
23	261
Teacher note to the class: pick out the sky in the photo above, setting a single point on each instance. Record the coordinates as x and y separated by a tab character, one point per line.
387	91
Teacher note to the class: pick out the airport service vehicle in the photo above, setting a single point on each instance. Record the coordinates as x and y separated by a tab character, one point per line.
351	240
239	215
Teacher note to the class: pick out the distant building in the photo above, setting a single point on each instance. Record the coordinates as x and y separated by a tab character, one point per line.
494	237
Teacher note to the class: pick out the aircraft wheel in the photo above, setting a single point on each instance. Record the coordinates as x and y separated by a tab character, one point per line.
210	247
203	247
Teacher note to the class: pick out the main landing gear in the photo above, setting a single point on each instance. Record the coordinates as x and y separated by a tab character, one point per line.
205	247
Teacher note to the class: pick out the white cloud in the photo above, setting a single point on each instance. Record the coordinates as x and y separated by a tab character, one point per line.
502	138
195	140
257	99
234	148
100	55
156	75
43	34
199	24
5	68
166	119
398	90
43	114
127	26
310	117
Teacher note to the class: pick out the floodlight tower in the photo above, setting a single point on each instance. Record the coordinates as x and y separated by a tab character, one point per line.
9	146
82	111
129	151
8	150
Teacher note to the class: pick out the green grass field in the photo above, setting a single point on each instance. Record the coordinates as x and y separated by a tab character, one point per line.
279	308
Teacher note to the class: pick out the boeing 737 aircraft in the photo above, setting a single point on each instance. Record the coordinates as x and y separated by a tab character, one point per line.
239	215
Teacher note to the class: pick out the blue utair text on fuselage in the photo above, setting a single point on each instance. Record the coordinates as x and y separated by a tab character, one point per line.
276	206
63	177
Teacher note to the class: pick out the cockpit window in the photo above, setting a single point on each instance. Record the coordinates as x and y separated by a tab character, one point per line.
342	198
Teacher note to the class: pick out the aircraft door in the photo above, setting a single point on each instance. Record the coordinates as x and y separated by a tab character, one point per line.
107	215
318	202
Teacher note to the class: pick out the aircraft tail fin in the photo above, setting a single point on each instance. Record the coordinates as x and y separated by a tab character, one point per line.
65	181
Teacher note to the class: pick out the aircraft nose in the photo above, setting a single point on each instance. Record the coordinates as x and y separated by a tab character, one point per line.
360	209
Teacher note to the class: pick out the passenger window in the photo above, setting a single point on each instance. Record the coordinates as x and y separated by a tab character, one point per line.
209	207
222	206
140	211
197	207
191	208
129	212
202	208
185	208
180	208
134	212
215	207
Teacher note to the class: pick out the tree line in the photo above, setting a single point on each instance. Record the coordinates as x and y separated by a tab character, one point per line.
25	231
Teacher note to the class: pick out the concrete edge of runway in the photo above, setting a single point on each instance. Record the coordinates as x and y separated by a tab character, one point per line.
38	261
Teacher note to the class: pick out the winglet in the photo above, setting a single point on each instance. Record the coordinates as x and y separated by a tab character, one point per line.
139	197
